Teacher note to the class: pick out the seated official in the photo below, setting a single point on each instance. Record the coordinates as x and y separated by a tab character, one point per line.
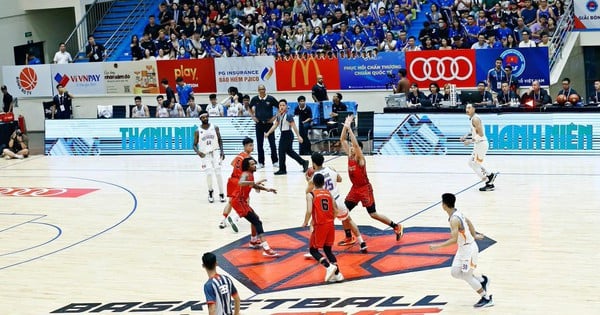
506	96
414	96
595	97
484	97
17	146
435	97
568	91
537	95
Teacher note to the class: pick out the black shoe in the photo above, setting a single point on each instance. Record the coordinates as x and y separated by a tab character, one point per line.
484	302
304	166
210	196
484	283
280	172
491	178
487	187
222	197
363	247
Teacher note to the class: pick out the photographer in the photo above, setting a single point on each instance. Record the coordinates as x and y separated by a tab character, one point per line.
17	146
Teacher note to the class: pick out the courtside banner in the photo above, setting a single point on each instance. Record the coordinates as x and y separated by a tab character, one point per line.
141	136
301	74
80	78
529	64
245	73
370	73
28	81
131	77
442	66
587	15
199	73
439	134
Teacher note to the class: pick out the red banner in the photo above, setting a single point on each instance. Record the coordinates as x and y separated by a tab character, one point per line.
301	74
442	66
199	73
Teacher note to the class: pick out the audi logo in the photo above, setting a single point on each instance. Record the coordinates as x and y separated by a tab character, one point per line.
444	68
31	192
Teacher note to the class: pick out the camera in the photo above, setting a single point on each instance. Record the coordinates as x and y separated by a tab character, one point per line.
18	133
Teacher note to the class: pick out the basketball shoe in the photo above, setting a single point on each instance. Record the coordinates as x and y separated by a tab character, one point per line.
484	302
348	241
330	272
399	230
363	247
336	278
269	253
211	199
255	244
232	224
487	187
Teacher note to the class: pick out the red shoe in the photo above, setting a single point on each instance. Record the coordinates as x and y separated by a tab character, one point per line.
348	241
399	230
270	253
255	244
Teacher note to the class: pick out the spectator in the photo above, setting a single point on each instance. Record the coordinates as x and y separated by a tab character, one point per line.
529	13
485	96
62	107
147	44
511	42
415	96
481	43
410	45
435	97
389	43
152	28
503	30
526	42
17	146
444	44
139	110
262	108
136	51
184	91
31	59
62	56
94	51
164	15
428	44
520	29
214	109
7	100
472	30
545	42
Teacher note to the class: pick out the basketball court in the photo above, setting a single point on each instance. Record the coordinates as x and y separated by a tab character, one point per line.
125	234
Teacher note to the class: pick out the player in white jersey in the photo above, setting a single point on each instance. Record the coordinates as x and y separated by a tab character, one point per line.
480	146
193	110
213	108
209	146
139	110
462	233
331	180
162	108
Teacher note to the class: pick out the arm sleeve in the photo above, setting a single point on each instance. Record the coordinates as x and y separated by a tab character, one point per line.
209	292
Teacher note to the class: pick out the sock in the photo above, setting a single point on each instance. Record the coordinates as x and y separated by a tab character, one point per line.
348	233
324	262
224	216
393	224
219	180
360	239
337	269
265	245
253	238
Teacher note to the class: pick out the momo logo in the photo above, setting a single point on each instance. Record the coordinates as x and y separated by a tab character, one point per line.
292	270
266	73
61	79
304	68
44	192
515	59
27	80
592	5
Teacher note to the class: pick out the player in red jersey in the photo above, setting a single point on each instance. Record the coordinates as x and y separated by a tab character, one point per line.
232	182
361	190
323	210
239	202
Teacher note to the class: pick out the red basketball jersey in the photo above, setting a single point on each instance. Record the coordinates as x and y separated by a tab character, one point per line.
357	173
322	207
237	164
243	192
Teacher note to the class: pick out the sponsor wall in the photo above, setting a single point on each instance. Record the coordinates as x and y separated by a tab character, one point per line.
395	134
587	15
85	79
441	66
359	73
199	73
139	77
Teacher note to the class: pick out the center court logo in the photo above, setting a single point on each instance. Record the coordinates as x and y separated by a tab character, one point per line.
444	68
27	80
304	67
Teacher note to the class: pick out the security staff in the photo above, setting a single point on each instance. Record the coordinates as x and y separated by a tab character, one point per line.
262	113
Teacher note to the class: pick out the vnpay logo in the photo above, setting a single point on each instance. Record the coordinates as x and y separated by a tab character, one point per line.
64	79
515	59
266	73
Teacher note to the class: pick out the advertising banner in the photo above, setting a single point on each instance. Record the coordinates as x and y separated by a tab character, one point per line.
245	73
587	15
441	66
131	77
80	78
199	73
28	81
529	64
371	73
301	74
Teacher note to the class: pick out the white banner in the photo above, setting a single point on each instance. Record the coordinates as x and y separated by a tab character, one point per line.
587	14
28	81
131	77
245	73
80	78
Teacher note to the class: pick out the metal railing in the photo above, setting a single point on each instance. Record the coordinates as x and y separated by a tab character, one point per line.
77	40
123	30
563	27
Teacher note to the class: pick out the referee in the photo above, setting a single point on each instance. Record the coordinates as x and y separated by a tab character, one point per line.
262	113
221	295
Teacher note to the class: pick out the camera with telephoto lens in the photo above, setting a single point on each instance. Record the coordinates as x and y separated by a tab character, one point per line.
18	132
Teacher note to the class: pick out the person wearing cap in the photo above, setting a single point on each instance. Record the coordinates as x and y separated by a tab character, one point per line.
7	100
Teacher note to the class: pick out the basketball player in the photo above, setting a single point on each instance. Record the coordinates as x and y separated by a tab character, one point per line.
331	180
321	207
221	295
465	261
207	140
239	202
232	182
361	190
480	147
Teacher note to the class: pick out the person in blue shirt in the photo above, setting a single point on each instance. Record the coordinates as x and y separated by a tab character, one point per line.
503	30
31	59
184	91
496	76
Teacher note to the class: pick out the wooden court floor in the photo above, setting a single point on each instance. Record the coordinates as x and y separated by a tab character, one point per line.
125	235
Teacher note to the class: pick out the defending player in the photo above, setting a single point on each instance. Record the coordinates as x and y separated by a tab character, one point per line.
361	190
321	207
480	147
207	140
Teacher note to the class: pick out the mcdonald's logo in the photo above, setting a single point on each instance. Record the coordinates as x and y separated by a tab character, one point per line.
304	65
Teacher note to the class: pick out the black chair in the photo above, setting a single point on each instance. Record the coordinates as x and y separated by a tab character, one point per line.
152	111
364	130
48	109
119	111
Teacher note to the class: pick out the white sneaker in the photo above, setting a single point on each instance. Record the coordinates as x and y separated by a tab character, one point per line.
337	278
330	272
259	166
308	256
222	225
276	164
19	156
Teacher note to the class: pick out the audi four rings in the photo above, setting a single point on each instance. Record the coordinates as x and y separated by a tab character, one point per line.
454	66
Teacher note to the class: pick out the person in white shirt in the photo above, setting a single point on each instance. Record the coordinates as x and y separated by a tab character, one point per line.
214	109
526	42
62	56
481	43
235	108
140	110
192	110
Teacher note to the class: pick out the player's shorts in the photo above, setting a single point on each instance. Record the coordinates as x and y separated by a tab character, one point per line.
241	206
232	185
466	257
479	151
342	209
323	235
362	194
211	160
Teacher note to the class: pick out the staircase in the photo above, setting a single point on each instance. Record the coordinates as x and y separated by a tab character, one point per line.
417	24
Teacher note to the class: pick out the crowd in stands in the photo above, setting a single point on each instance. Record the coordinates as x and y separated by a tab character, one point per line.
188	29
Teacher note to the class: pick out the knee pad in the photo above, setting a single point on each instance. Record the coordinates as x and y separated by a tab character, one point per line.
371	209
350	205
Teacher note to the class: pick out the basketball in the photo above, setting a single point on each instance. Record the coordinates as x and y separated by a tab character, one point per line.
310	172
561	99
573	99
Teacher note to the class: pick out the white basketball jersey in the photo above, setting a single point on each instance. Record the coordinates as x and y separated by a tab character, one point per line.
194	112
464	233
474	134
163	112
330	180
207	139
213	110
138	112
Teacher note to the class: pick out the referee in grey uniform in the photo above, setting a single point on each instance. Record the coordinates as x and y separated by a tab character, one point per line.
262	113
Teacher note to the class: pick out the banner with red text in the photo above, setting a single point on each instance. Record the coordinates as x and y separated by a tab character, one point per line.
245	73
442	66
199	73
301	74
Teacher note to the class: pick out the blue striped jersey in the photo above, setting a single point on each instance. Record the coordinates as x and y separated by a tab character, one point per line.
219	290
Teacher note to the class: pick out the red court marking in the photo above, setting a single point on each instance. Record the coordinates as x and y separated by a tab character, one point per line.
394	263
45	192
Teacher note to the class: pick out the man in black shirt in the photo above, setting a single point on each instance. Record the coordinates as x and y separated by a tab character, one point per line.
63	107
152	28
7	100
304	114
319	94
168	91
262	113
94	51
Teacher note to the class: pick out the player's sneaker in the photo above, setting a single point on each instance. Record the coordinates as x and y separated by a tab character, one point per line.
270	253
255	244
363	247
330	272
211	199
399	230
221	197
491	178
232	224
484	302
337	278
485	282
304	166
487	187
308	256
222	225
347	241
